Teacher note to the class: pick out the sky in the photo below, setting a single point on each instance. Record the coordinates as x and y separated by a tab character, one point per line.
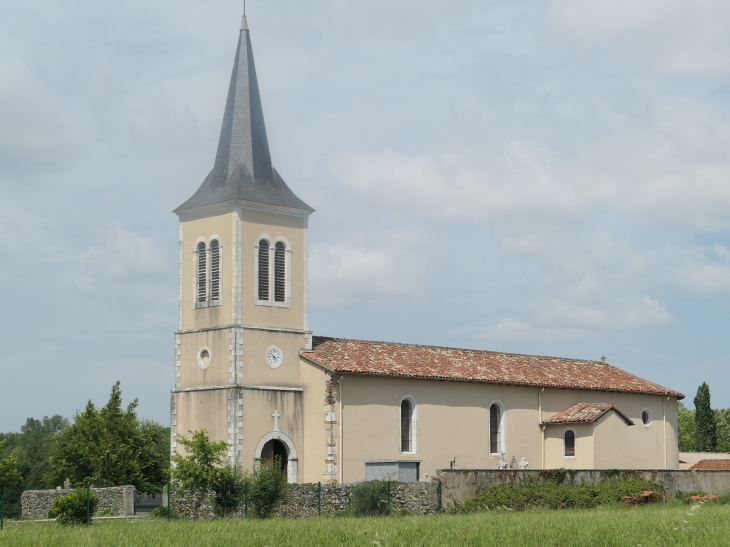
547	177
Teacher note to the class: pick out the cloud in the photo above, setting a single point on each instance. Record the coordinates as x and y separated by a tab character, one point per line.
680	37
388	272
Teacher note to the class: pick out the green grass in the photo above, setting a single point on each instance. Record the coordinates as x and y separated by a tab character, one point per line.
607	526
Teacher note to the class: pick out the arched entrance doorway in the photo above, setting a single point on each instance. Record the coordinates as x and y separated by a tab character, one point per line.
273	449
290	461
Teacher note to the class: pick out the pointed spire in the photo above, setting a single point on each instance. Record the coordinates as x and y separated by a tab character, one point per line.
242	167
243	133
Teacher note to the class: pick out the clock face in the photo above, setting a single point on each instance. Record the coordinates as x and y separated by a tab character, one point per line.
274	356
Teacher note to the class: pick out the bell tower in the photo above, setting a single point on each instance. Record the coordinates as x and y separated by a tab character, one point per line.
242	289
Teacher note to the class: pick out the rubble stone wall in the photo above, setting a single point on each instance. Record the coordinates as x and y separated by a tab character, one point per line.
120	499
302	501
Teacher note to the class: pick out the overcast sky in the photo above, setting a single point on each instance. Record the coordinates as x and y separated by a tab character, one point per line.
546	177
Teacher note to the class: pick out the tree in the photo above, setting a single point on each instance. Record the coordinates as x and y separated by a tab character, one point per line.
723	429
687	437
31	447
9	474
705	420
110	446
204	469
197	470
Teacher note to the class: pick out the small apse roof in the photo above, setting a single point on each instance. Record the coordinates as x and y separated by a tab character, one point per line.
344	355
586	413
242	167
717	465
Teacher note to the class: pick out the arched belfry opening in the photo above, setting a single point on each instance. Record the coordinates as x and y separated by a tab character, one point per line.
276	449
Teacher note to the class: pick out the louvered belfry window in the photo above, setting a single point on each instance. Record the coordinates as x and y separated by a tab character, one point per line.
202	279
263	270
215	273
280	272
406	417
569	440
495	420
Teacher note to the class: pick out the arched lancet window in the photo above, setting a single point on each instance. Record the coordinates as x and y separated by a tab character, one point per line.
202	278
406	426
280	272
569	443
263	270
495	429
215	274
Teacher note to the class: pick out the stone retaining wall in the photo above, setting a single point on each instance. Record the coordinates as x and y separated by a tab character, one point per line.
301	501
37	503
458	485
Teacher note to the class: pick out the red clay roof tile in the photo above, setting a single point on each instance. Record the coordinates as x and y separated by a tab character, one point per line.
718	465
414	361
586	413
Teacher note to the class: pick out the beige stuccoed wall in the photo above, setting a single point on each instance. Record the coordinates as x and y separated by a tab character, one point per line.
314	455
221	225
254	224
202	410
258	406
217	373
453	421
644	446
255	369
584	447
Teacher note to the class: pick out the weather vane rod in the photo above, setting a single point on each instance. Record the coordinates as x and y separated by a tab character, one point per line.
244	8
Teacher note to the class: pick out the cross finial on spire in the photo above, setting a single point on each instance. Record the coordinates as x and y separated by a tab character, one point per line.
603	358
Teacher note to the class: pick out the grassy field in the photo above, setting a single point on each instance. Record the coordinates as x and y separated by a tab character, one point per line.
619	526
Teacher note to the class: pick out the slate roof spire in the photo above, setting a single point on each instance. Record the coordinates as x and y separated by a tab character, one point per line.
242	167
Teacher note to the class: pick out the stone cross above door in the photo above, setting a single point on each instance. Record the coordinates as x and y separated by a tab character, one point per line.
276	417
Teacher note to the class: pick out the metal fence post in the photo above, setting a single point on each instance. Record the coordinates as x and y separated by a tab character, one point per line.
88	497
388	497
319	499
169	506
2	507
245	500
438	489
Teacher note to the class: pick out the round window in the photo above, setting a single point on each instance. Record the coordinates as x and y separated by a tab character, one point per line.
646	416
204	357
274	357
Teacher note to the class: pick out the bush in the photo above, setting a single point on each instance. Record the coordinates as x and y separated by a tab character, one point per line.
370	498
268	488
160	512
71	509
229	484
557	495
108	512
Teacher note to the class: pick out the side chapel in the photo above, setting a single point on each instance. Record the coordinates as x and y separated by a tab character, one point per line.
250	372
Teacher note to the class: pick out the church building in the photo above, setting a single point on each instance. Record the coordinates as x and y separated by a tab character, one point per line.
249	370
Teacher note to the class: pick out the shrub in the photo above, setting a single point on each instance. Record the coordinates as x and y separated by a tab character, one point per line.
229	484
205	469
160	512
370	498
108	512
71	509
268	488
557	495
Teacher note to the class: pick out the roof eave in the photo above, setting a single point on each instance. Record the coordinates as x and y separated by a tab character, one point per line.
495	382
204	210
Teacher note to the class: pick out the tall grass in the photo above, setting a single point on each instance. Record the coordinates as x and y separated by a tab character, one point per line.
607	526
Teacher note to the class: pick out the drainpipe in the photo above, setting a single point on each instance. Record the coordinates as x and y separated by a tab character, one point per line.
342	435
664	417
542	428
